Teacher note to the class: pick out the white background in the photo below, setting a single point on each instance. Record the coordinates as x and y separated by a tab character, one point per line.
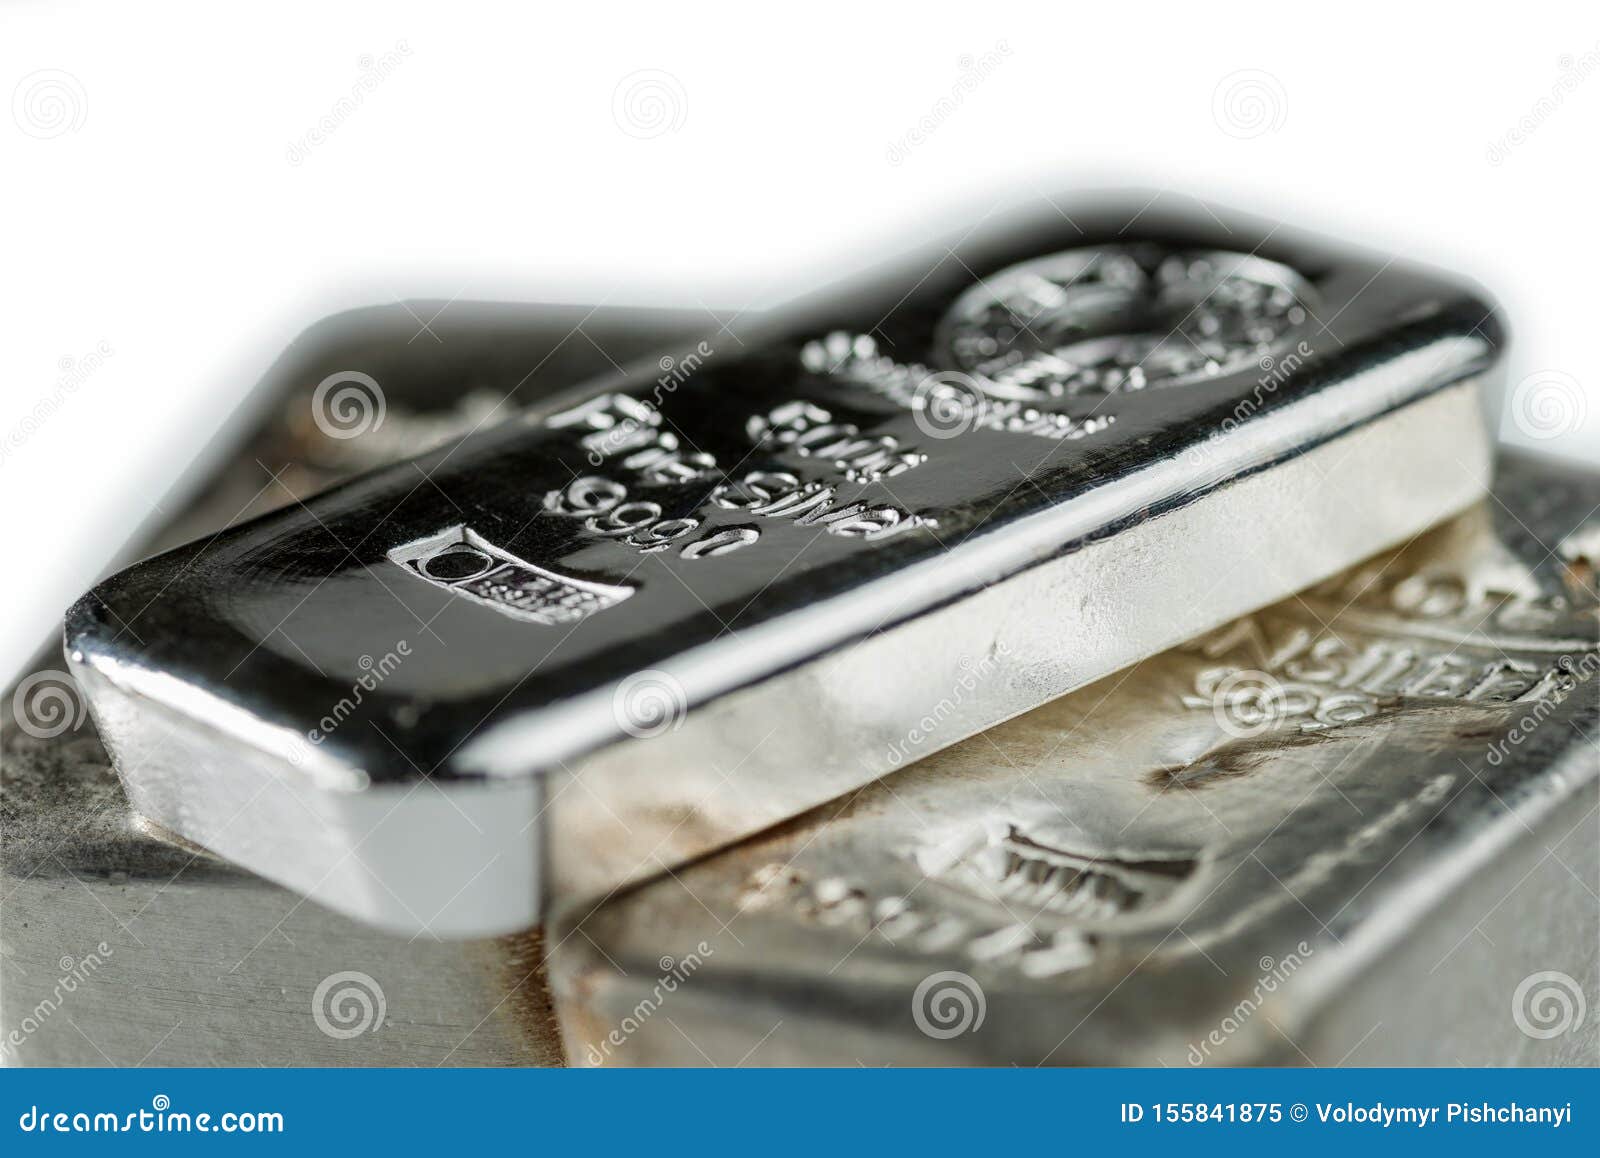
154	206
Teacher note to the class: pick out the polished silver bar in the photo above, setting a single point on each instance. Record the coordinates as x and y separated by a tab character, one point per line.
676	607
123	944
1359	827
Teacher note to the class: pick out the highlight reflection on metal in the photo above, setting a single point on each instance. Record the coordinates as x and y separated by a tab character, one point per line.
177	956
1339	830
818	550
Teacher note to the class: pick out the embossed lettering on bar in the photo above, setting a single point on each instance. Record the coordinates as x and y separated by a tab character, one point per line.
462	561
1344	829
675	607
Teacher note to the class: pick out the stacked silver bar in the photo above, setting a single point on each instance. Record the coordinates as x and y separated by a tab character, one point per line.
1355	826
558	656
121	943
1358	827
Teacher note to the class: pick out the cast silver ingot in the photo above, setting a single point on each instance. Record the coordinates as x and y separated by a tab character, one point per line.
665	612
123	944
1357	827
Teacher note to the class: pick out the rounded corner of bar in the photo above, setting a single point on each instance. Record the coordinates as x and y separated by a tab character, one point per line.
86	628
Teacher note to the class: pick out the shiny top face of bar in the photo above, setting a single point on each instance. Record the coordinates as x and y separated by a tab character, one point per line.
758	478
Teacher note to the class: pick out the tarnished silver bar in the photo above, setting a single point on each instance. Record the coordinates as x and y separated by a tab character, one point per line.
126	946
679	606
1358	827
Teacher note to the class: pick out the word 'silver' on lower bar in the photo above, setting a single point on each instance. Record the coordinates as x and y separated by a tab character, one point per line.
1354	828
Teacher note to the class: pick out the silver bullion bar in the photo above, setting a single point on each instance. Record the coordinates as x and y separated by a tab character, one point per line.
123	944
697	598
1358	827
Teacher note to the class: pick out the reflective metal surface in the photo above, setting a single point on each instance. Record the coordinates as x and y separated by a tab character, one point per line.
124	946
1359	827
121	943
636	625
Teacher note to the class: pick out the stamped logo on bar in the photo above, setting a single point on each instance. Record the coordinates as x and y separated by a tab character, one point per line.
464	563
1119	318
